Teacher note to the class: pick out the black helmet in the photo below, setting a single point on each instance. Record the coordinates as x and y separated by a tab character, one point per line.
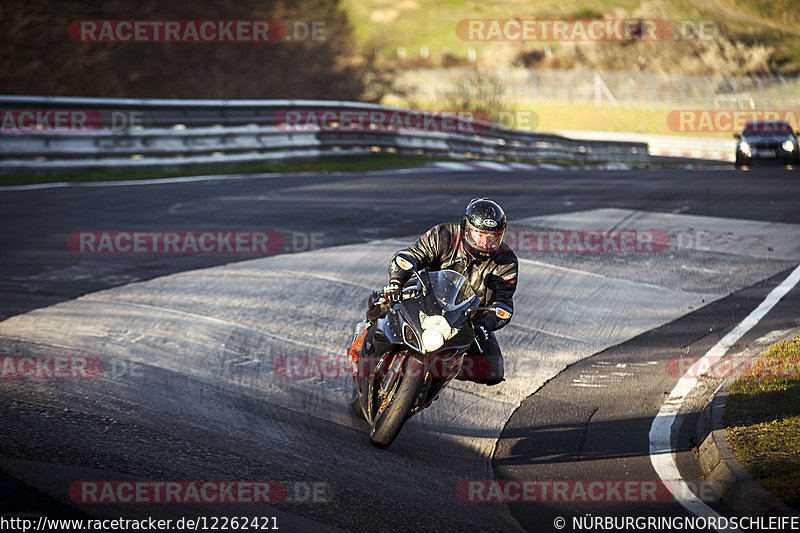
483	226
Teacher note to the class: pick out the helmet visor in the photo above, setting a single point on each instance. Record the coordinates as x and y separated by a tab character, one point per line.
483	240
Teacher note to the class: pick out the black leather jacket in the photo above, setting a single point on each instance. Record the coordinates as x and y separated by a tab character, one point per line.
494	280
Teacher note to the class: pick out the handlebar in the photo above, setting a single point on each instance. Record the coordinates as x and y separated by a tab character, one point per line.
413	292
408	292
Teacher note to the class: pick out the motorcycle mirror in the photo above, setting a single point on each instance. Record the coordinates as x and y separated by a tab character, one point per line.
502	313
406	262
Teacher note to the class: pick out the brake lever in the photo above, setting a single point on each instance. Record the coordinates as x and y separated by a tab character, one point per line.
478	346
411	292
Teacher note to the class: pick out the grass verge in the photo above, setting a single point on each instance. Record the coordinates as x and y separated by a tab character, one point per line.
552	117
354	163
621	119
763	420
345	163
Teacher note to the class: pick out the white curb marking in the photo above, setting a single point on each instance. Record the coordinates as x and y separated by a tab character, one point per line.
662	455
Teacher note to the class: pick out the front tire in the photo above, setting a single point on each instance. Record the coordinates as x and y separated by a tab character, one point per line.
355	406
390	421
355	401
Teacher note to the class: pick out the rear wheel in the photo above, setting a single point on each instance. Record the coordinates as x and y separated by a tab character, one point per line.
401	392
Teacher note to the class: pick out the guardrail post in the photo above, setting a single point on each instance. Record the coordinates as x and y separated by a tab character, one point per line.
630	89
568	87
760	93
783	91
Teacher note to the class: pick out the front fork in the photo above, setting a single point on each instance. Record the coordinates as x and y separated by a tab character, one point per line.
376	383
386	386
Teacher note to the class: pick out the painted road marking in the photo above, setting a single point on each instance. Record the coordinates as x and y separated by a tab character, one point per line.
662	455
199	179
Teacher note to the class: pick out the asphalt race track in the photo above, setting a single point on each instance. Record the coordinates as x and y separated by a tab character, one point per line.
192	344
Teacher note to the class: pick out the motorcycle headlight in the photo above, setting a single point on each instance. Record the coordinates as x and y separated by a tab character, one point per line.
432	340
744	147
788	145
435	330
437	323
410	338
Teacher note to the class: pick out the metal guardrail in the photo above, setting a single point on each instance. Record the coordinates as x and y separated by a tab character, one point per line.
711	148
172	133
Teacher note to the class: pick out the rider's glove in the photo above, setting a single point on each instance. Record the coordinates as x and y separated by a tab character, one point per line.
481	333
393	291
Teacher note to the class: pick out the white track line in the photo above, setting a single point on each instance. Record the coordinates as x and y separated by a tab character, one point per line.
454	165
588	273
133	183
206	318
662	455
200	179
322	276
490	165
562	268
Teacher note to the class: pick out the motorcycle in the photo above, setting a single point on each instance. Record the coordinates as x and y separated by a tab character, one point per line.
418	348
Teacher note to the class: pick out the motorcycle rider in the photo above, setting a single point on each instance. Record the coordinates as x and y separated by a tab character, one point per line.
475	249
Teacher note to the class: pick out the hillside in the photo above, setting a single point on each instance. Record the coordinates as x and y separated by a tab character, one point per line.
412	33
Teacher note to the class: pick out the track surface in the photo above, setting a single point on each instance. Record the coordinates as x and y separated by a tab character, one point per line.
205	403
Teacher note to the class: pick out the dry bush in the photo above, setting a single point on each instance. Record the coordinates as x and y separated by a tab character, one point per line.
712	57
720	56
477	91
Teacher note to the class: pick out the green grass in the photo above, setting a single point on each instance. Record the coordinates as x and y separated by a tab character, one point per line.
786	46
783	12
347	163
360	163
551	117
386	25
763	420
417	23
578	117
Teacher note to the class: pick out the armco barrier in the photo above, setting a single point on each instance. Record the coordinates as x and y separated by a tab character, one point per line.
175	133
690	146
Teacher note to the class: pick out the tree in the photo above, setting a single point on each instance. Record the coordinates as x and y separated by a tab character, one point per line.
38	56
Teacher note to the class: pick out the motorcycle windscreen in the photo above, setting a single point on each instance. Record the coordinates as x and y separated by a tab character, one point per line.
453	294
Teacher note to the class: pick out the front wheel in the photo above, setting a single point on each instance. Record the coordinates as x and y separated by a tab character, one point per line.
355	406
389	421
